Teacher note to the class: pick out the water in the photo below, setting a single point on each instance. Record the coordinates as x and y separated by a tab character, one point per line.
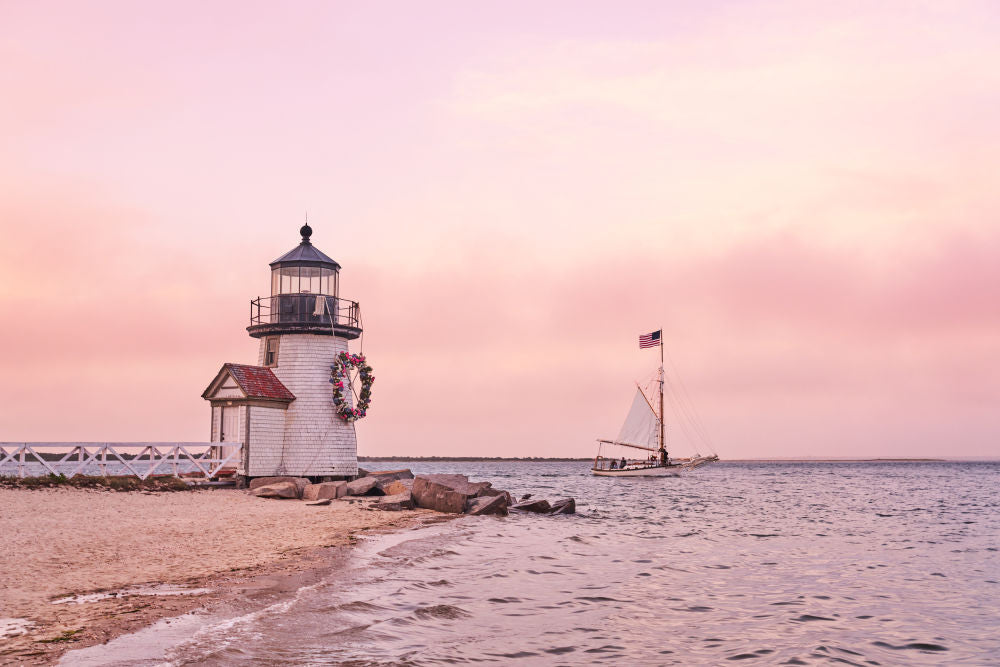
768	563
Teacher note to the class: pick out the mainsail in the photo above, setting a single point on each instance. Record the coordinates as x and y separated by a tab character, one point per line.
641	425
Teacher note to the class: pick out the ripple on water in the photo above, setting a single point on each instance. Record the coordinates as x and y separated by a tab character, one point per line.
913	646
441	611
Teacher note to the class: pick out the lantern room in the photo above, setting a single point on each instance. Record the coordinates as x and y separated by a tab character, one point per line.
304	270
305	296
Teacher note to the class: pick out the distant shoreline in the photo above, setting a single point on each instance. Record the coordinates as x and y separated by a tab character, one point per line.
543	459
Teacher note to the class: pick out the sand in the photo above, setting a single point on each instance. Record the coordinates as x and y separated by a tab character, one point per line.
60	542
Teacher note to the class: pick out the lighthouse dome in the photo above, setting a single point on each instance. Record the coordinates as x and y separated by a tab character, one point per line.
305	254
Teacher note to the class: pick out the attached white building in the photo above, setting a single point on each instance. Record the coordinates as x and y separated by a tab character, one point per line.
282	409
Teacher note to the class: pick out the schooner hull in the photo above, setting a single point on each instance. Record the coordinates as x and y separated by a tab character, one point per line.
649	471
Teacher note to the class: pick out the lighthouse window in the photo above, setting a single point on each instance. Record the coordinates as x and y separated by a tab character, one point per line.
271	351
310	280
290	280
329	282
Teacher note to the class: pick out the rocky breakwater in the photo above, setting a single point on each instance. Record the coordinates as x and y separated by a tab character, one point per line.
397	490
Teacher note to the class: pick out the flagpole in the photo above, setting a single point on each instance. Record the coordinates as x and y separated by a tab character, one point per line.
663	442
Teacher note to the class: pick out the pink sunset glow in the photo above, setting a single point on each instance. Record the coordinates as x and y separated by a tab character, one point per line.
803	196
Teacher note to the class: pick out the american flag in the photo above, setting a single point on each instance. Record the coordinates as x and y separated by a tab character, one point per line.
650	339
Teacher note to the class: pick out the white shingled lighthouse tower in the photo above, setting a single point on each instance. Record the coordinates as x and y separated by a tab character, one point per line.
282	410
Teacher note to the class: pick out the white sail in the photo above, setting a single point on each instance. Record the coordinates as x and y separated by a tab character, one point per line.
641	425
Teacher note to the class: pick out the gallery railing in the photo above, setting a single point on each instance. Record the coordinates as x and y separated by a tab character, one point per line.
305	309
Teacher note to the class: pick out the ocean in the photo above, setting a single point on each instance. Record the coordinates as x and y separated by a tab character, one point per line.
892	563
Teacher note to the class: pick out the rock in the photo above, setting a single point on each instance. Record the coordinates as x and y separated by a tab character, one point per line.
320	503
460	483
257	482
394	503
525	497
395	486
324	491
386	476
487	505
362	472
540	506
278	490
498	492
445	493
366	486
563	506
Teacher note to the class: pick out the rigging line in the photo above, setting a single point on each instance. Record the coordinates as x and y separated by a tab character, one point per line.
684	414
647	401
685	410
697	421
684	419
692	438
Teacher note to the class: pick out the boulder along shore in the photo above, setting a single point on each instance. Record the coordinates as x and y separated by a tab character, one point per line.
85	565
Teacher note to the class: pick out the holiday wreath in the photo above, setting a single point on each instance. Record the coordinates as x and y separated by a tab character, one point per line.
340	372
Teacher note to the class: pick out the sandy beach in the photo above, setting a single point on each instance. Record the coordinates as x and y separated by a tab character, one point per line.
63	542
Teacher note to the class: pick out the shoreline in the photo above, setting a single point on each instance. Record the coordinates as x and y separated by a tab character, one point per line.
65	542
537	459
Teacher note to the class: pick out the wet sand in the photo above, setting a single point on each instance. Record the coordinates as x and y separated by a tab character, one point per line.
62	542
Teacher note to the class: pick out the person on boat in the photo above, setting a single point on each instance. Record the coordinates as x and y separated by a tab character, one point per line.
623	463
614	464
664	458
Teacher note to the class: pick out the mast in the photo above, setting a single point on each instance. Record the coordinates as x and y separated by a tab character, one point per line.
662	434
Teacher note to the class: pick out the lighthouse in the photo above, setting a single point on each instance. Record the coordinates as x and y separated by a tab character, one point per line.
283	410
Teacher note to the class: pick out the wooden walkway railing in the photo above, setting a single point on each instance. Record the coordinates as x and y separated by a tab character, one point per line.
174	458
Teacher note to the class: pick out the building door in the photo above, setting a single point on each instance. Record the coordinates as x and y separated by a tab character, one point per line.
229	432
230	425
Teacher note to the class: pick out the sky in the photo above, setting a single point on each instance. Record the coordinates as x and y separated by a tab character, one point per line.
802	195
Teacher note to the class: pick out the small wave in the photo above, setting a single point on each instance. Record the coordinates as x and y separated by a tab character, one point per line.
605	649
914	646
442	611
560	650
809	617
360	606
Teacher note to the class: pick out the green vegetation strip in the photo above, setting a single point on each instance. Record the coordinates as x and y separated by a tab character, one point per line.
66	636
164	483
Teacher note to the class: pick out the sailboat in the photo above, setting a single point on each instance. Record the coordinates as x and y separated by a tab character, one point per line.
644	431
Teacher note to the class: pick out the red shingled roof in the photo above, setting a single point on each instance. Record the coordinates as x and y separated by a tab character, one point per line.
259	382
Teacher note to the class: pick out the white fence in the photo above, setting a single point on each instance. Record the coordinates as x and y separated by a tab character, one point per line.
141	459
